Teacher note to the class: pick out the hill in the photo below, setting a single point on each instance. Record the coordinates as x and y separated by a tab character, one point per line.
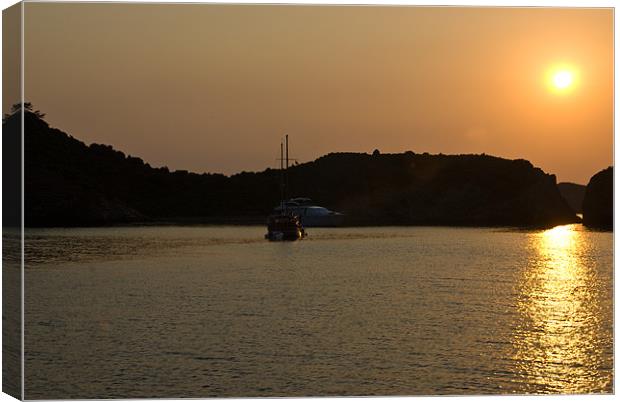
598	202
573	194
70	183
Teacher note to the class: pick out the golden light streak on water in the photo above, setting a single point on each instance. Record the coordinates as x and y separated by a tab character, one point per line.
559	337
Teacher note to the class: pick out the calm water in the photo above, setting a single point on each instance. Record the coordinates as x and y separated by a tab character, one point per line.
218	311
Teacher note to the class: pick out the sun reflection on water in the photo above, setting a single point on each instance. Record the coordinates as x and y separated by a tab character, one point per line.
559	337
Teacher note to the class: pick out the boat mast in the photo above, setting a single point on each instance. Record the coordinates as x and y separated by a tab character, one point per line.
286	170
281	174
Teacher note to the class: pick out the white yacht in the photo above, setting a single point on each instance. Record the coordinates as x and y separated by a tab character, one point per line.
309	214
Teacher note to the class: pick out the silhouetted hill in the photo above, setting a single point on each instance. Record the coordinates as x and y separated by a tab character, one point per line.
433	189
70	183
598	202
11	178
573	194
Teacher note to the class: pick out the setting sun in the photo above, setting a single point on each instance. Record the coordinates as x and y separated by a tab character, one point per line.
562	79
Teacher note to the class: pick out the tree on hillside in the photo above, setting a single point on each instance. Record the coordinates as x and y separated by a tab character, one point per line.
16	108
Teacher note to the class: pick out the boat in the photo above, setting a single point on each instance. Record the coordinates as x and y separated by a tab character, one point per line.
284	227
309	214
283	223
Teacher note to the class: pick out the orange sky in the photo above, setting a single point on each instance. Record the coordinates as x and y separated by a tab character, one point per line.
214	87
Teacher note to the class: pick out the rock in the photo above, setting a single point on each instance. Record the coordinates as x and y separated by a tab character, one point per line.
598	202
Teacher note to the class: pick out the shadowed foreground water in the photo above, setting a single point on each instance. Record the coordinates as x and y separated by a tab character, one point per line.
218	311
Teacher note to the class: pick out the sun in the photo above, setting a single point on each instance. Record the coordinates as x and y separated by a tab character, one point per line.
563	79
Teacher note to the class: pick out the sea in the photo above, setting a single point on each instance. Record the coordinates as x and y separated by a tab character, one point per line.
218	311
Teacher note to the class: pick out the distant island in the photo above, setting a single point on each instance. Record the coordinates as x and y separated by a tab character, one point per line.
598	201
69	183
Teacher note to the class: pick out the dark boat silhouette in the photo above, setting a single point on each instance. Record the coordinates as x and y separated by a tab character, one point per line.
284	224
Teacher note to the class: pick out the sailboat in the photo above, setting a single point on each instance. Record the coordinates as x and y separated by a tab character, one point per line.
284	224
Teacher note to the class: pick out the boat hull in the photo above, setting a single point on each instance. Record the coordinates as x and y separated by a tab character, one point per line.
284	236
284	227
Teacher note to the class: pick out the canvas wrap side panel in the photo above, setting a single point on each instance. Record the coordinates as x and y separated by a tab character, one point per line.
12	194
